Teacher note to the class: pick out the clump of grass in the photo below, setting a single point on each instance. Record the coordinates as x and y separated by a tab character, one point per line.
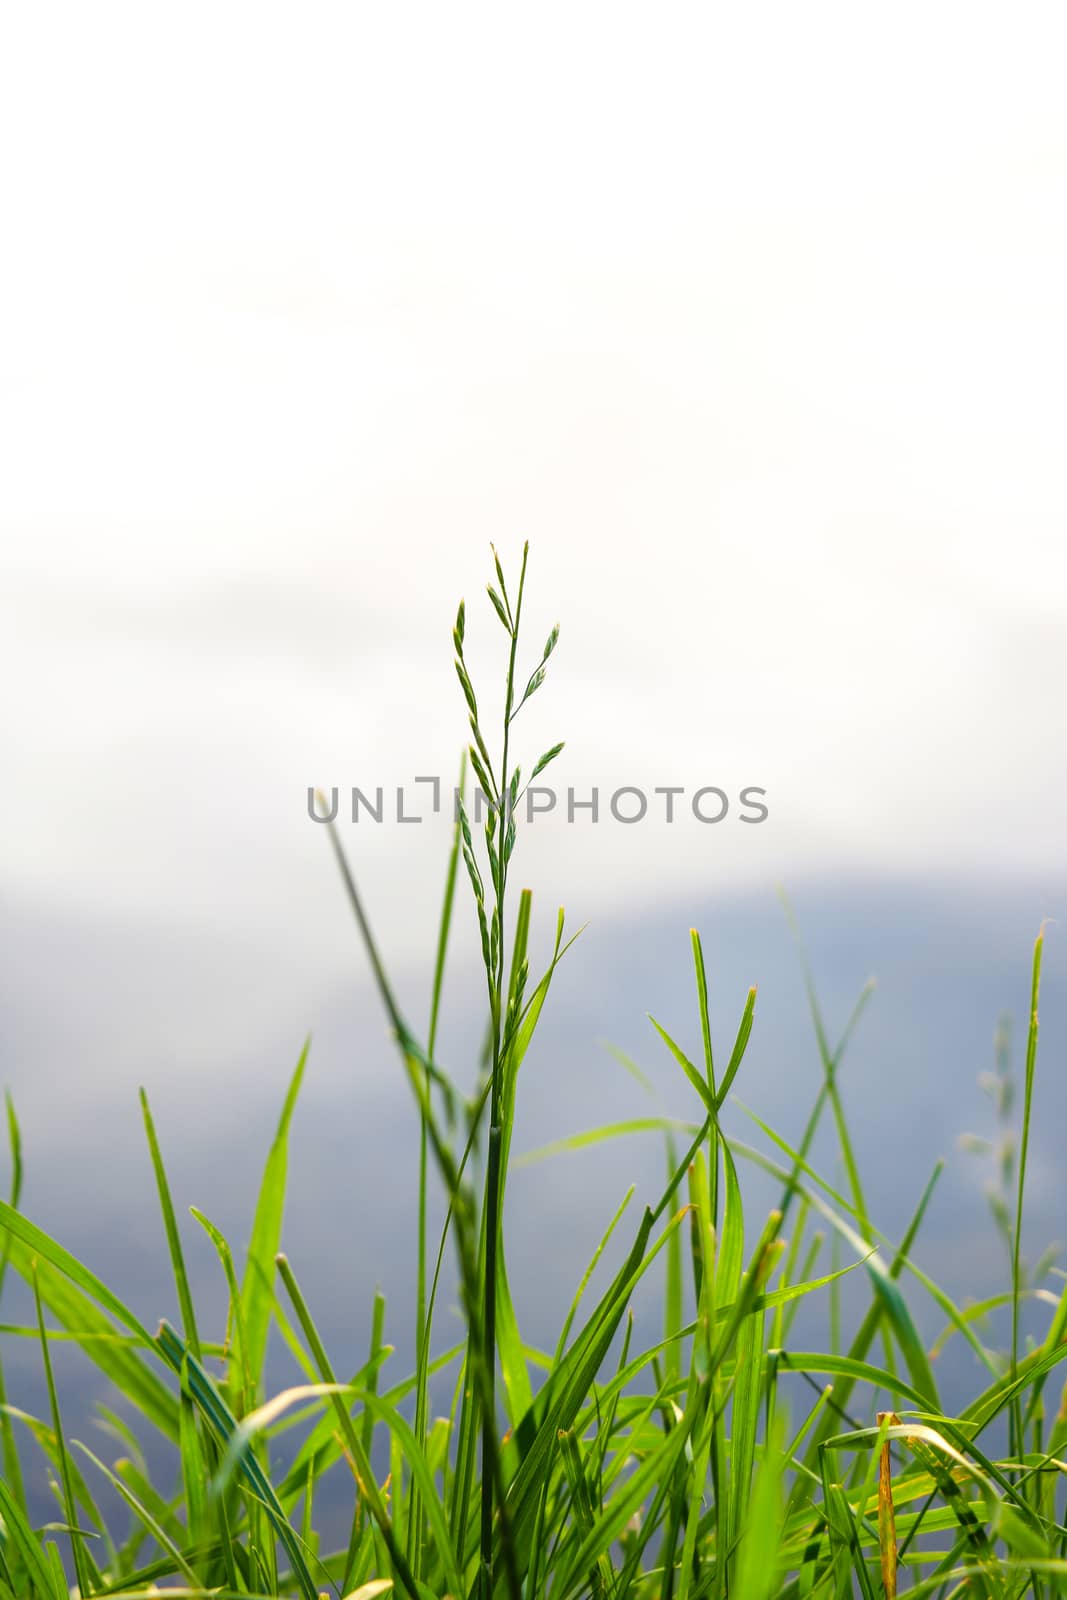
666	1473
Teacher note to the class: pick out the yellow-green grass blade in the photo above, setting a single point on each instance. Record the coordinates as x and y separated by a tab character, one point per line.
1024	1145
759	1557
69	1289
750	1374
699	1083
737	1054
45	1439
559	1401
609	1130
816	1362
830	1062
145	1517
39	1570
12	1464
875	1265
601	1576
242	1389
322	1447
707	1448
249	1428
935	1452
732	1242
37	1243
257	1291
653	1475
905	1331
164	1512
518	1393
361	1466
586	1416
673	1295
194	1469
518	1043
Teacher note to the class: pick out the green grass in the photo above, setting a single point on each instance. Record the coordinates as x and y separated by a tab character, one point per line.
596	1468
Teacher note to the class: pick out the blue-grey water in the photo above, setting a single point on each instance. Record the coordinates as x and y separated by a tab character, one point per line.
91	1009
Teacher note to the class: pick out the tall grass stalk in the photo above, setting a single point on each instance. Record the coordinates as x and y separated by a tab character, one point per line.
740	1456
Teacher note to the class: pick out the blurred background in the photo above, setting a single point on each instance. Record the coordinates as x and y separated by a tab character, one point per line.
752	321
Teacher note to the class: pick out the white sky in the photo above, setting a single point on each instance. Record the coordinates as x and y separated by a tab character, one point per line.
751	318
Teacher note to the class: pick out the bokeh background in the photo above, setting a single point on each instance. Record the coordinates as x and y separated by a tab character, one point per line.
752	321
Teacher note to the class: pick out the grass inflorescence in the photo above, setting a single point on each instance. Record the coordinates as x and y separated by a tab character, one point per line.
597	1468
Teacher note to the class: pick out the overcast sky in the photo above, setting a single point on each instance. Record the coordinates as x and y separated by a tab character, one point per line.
751	319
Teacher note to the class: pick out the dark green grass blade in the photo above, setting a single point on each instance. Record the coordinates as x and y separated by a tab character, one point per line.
170	1224
84	1567
423	1315
1024	1145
